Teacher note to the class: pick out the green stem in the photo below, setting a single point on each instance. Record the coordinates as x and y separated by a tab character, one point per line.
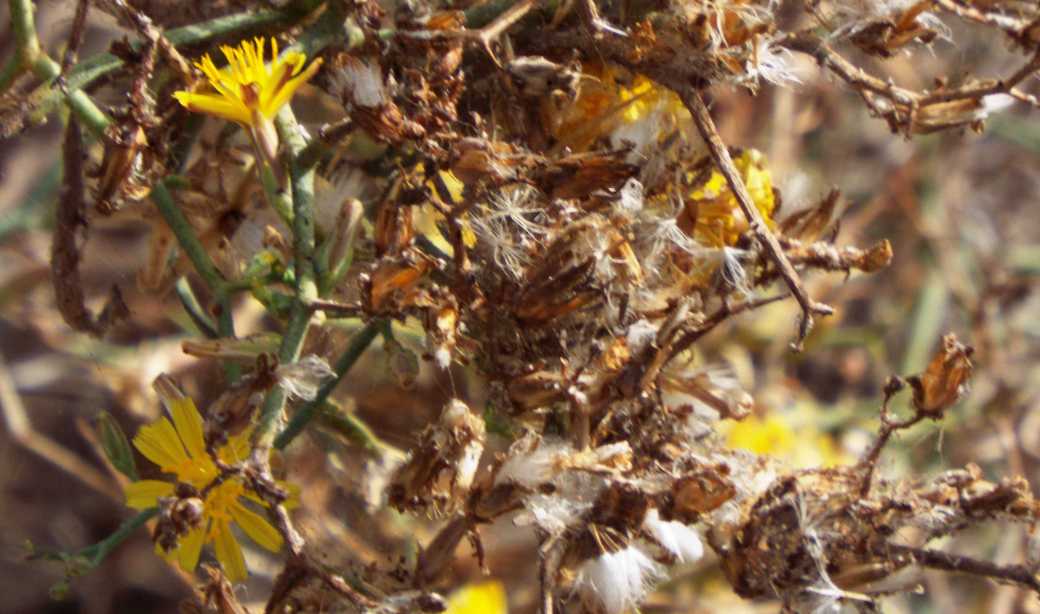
194	308
354	429
89	114
204	266
302	182
28	56
358	344
24	29
277	197
12	70
185	234
97	553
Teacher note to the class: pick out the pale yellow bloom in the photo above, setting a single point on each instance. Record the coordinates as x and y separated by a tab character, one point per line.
249	90
179	449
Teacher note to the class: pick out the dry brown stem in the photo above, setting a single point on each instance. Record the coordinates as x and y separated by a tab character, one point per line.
693	100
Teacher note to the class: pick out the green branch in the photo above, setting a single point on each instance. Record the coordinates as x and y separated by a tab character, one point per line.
185	233
29	57
358	344
90	557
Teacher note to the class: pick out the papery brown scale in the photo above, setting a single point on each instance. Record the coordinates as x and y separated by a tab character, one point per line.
122	149
537	389
397	279
945	379
393	228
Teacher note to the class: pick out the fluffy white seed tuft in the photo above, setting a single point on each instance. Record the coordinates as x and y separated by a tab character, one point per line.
615	582
682	541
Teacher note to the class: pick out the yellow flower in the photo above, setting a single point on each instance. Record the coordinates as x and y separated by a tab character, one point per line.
719	220
785	437
613	101
248	89
483	598
178	448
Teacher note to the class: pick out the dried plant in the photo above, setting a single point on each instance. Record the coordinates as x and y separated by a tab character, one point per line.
541	190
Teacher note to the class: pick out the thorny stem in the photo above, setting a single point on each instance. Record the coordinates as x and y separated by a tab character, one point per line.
1020	575
346	361
693	100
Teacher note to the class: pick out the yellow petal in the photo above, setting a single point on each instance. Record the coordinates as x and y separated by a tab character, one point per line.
189	547
286	91
217	78
159	443
188	422
237	447
229	553
256	527
144	494
483	598
212	104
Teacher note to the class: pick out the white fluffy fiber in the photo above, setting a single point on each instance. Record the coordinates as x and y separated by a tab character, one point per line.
617	581
682	541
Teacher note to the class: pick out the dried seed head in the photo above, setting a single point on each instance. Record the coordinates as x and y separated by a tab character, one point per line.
440	469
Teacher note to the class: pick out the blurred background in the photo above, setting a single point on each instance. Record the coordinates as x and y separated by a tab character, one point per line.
959	208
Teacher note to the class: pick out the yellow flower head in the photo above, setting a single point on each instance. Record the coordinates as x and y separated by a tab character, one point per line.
248	90
178	448
484	598
719	220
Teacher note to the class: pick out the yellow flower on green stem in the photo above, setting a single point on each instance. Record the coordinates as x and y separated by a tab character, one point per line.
249	90
179	449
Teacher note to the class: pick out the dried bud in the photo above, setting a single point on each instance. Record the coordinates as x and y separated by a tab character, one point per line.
537	77
177	515
396	281
700	493
393	228
537	389
122	153
945	380
442	332
402	363
115	445
440	470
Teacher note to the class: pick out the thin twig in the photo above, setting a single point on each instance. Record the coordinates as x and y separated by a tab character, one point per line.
693	100
1020	575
